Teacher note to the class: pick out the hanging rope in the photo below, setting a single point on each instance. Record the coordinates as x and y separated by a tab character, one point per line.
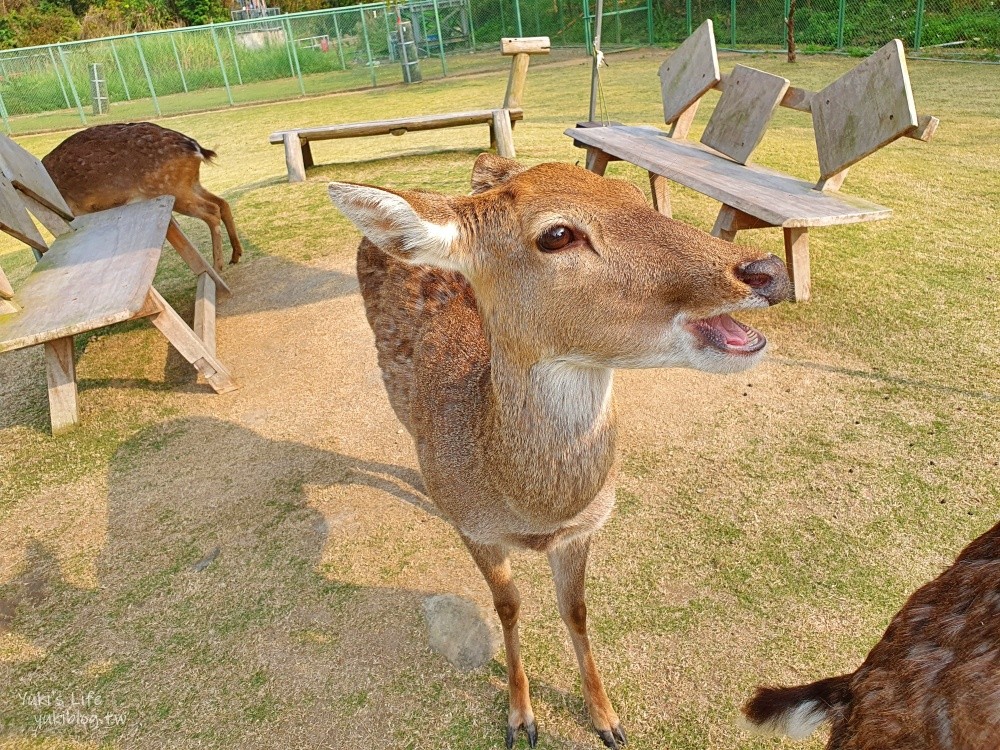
601	62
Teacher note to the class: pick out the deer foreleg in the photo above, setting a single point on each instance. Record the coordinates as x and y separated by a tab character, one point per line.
569	570
495	566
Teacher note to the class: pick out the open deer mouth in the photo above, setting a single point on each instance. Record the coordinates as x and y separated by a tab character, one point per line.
727	335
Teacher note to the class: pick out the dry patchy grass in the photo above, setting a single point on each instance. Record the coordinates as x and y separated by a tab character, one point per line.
247	570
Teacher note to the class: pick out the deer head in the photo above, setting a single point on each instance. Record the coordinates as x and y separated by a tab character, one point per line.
571	267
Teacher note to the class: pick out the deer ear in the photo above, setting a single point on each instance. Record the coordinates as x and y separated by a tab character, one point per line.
490	171
419	228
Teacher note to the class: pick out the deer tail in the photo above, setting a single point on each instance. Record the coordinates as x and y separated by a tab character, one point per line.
797	711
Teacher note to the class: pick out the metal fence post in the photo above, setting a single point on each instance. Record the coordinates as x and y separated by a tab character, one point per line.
788	9
72	86
149	78
649	20
437	20
732	23
55	69
3	114
368	46
588	39
222	66
295	56
841	12
121	73
177	57
340	46
388	31
232	48
517	16
919	27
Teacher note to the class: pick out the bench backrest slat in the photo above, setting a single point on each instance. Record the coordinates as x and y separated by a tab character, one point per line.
6	290
743	112
14	218
690	71
863	110
28	175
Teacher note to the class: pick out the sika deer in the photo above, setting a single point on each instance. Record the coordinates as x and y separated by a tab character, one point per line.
931	683
110	165
499	319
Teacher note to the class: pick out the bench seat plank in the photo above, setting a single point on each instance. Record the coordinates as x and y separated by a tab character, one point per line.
773	197
97	275
386	127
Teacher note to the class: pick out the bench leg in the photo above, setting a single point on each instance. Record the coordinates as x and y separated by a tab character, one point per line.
503	133
187	343
190	255
60	371
204	312
797	260
661	194
307	154
731	220
294	159
597	160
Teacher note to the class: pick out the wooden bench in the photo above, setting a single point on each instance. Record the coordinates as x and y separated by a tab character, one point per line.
98	272
298	152
859	113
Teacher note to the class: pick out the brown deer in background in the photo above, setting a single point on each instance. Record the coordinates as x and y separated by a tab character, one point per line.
499	319
931	683
111	165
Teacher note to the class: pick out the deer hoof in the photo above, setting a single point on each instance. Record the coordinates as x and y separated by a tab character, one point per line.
530	729
614	737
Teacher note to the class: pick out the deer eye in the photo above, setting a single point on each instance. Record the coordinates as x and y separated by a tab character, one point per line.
556	238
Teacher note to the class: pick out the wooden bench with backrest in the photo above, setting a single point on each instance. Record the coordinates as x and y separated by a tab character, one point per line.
298	153
98	271
859	113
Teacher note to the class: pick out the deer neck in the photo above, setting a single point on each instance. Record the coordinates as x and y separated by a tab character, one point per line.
551	437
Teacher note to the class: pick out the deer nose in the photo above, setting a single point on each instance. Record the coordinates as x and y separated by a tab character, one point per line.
767	276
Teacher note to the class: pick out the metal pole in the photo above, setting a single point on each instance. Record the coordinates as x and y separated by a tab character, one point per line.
593	71
295	56
180	68
437	21
688	13
472	25
368	47
232	48
340	46
222	67
121	72
72	86
503	19
920	26
538	23
517	16
587	38
149	78
3	114
732	23
788	8
649	20
62	85
388	31
618	23
841	12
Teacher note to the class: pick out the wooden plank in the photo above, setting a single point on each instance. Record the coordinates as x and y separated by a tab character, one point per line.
597	161
660	191
60	372
204	312
293	158
14	219
192	348
516	80
48	218
385	127
743	113
6	290
731	220
690	71
28	175
190	255
926	128
772	197
503	134
8	307
866	108
797	261
531	45
97	275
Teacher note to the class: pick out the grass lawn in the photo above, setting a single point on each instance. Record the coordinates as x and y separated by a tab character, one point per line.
247	571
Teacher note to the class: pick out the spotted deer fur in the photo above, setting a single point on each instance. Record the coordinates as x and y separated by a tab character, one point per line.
111	165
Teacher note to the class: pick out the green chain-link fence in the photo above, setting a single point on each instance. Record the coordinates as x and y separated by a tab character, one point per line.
284	56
